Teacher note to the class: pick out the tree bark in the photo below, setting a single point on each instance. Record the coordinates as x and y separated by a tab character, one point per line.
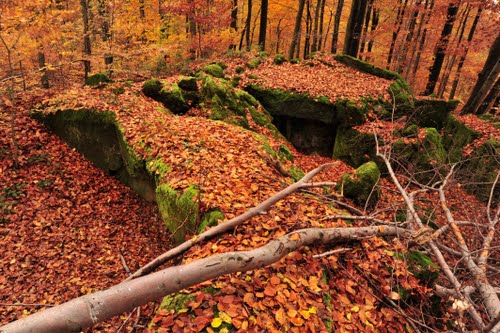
366	25
354	27
413	48
452	58
491	99
395	33
336	25
375	19
248	25
41	65
470	37
422	42
263	24
486	79
441	47
406	42
307	40
296	30
84	4
317	11
234	15
321	24
91	309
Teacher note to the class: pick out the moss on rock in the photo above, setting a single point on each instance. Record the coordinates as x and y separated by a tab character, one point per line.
210	219
431	112
97	79
360	185
254	63
353	147
366	67
176	302
349	113
421	266
178	211
214	70
284	153
188	83
279	59
456	136
172	96
287	103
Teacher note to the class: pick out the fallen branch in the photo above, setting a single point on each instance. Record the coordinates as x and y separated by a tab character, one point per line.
88	310
229	225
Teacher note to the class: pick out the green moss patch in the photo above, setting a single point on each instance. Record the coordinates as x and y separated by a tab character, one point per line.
284	153
171	96
432	112
179	211
210	219
366	67
353	147
421	266
360	185
97	79
456	136
214	70
279	59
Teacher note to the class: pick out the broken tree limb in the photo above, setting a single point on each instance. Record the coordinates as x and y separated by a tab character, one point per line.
413	215
91	309
229	225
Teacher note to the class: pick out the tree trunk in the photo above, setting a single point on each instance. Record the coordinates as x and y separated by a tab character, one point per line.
441	47
451	59
296	30
234	16
395	33
106	33
414	45
317	10
486	79
142	11
91	309
354	27
248	25
336	25
321	23
422	42
405	44
366	25
490	99
375	19
464	54
263	24
86	36
307	40
41	64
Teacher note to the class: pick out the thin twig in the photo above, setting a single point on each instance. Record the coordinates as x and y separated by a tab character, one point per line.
325	254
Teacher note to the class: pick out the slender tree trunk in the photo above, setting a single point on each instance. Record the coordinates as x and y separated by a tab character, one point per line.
354	27
234	16
142	11
41	65
395	33
441	47
375	19
247	28
464	53
490	99
336	25
486	79
86	36
413	47
317	10
328	26
307	40
422	42
367	24
296	30
263	24
106	33
321	24
405	44
451	59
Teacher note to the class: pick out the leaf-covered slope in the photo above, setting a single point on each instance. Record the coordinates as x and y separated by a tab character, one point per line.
230	167
64	223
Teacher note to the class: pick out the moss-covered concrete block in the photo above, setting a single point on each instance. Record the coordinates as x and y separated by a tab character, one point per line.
366	67
360	185
288	103
97	79
350	113
179	211
171	96
424	158
353	147
480	170
431	112
214	69
188	83
457	135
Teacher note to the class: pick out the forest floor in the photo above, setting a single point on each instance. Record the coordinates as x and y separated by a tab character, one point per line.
67	228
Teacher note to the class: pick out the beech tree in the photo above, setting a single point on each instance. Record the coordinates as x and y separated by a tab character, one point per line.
354	27
296	30
485	81
264	6
336	25
441	47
